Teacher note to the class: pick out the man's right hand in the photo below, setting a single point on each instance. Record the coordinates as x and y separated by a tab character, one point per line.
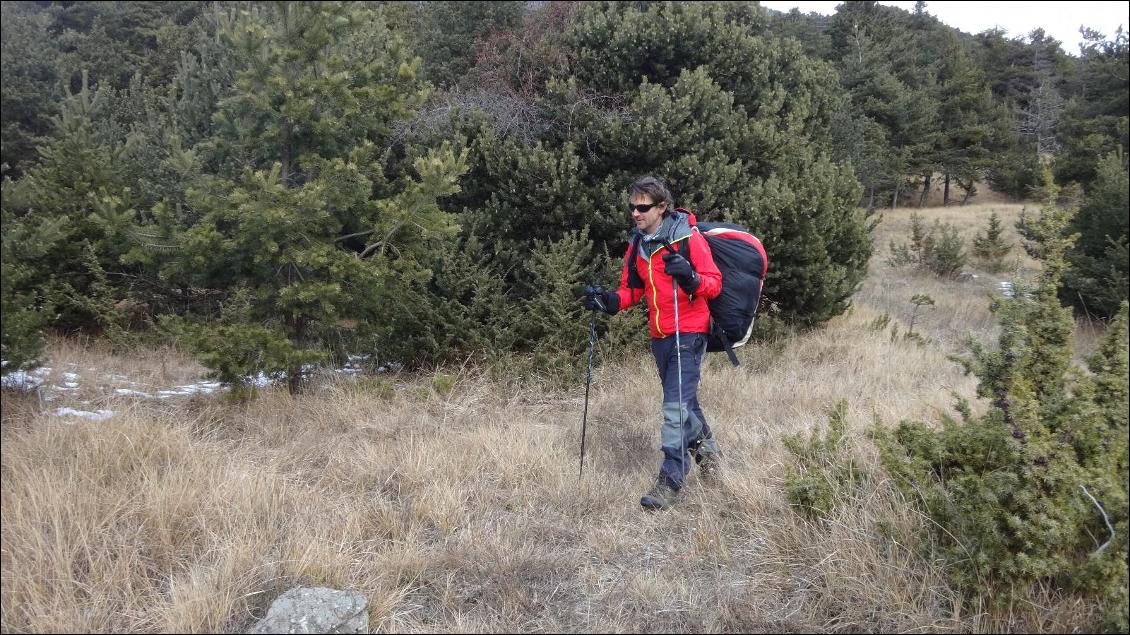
606	301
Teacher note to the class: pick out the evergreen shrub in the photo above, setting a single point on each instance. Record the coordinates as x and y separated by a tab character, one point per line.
1009	493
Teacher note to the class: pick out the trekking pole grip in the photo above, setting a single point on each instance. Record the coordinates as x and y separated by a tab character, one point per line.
596	292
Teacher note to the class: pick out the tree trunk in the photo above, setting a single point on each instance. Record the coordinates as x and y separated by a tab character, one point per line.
968	190
294	373
946	192
871	203
925	191
895	200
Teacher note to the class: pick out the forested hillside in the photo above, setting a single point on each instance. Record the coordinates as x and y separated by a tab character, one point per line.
282	184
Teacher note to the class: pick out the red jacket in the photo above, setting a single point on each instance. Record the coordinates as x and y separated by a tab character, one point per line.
694	315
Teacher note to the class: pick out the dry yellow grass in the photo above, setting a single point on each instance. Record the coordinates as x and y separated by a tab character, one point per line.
962	306
461	510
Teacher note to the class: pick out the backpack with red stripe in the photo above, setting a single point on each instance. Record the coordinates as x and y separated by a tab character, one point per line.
740	257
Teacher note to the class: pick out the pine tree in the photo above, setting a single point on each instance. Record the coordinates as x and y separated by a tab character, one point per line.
973	128
864	130
888	62
1094	123
110	42
447	35
554	321
77	195
1100	267
810	30
303	211
989	247
1027	75
472	311
29	88
24	304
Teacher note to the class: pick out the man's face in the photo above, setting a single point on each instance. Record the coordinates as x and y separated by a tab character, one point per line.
646	214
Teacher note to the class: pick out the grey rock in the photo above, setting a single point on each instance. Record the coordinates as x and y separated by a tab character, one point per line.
316	610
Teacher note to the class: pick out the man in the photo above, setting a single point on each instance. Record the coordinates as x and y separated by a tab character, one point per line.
664	246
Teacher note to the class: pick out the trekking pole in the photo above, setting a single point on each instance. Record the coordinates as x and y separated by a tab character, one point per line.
679	364
679	367
588	376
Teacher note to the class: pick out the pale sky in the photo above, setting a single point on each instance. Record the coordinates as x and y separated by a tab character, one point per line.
1060	20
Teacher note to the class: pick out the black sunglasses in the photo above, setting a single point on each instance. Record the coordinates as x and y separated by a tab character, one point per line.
643	208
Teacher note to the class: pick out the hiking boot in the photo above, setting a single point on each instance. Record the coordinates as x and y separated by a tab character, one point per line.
661	496
709	459
709	466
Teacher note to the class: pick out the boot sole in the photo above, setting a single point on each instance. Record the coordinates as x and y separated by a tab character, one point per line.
652	504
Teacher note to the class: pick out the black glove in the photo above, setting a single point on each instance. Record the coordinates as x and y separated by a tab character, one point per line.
606	301
680	269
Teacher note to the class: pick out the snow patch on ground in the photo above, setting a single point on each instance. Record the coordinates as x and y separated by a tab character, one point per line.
24	380
97	415
48	386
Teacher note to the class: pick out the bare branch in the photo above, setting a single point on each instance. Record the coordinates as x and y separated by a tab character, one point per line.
370	249
381	245
1105	518
356	235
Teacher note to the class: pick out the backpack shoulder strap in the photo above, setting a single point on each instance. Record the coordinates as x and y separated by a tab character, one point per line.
677	247
634	279
727	345
687	251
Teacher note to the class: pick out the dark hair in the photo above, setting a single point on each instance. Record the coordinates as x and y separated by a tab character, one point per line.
654	188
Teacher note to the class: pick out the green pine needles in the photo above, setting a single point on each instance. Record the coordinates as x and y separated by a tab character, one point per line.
938	249
990	248
824	470
1099	278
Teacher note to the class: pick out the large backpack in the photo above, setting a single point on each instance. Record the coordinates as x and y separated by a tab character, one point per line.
741	259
